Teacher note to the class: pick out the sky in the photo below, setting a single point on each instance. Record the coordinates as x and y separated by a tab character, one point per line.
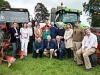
30	4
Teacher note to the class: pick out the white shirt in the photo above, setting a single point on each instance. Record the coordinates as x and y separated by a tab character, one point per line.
16	32
15	29
89	41
30	31
58	45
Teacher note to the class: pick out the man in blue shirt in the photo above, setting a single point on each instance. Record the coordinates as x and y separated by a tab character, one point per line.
38	48
53	31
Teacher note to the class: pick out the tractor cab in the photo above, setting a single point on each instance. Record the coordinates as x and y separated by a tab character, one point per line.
10	15
66	15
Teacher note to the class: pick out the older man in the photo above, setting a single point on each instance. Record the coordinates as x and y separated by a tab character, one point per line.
49	47
53	31
30	31
59	48
89	45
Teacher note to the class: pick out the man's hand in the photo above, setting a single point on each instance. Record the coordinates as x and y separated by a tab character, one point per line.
83	51
61	37
45	50
37	51
16	34
55	50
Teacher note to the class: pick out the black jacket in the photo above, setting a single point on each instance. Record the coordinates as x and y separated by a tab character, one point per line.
13	38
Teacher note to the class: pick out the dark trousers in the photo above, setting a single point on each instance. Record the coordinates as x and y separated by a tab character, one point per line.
15	48
60	54
69	52
35	55
30	44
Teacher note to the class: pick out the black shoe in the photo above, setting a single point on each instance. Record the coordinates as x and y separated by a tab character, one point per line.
40	56
60	59
87	69
80	64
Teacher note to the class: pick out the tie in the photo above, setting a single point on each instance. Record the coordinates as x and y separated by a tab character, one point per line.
48	44
58	45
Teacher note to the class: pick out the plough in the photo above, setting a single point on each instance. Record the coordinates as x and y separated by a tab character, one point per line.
4	46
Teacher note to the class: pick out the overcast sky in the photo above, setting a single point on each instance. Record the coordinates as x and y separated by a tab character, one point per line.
30	4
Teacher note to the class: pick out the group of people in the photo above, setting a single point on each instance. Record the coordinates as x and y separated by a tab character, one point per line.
23	36
53	41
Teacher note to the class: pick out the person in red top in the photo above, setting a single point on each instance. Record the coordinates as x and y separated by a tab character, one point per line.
46	24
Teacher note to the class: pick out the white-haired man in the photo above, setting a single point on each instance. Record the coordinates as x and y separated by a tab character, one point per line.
49	47
30	31
59	48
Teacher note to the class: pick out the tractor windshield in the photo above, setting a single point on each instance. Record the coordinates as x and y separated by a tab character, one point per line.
67	17
14	16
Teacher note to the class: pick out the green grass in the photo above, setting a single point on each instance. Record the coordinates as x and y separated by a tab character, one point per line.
45	66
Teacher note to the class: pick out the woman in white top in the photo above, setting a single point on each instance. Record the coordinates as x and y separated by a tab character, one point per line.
30	44
68	37
24	38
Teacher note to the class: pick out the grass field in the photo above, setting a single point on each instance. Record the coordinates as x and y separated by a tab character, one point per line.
45	66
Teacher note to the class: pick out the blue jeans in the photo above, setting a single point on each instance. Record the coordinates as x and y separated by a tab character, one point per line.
60	54
15	47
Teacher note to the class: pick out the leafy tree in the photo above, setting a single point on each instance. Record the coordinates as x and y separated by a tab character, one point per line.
41	12
93	7
4	3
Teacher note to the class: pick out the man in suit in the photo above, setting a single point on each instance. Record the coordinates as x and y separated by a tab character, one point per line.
59	48
38	48
14	38
14	41
89	45
48	47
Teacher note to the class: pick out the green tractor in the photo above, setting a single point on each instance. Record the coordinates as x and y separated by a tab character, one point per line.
66	15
